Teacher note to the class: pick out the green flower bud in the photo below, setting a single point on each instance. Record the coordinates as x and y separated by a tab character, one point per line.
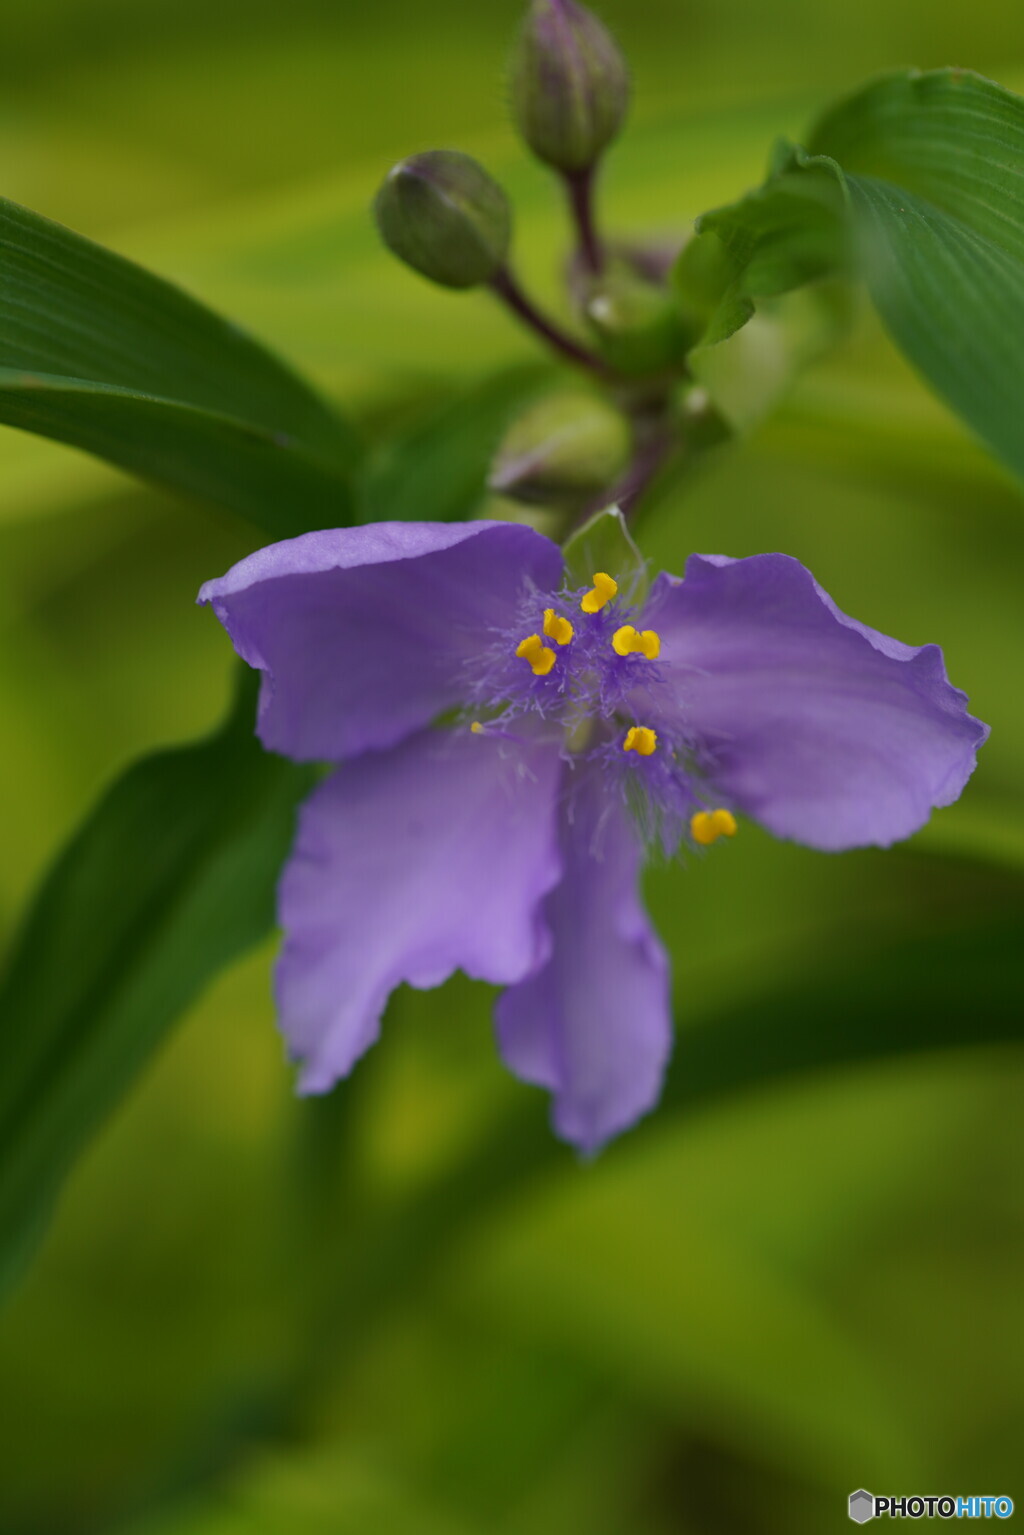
570	85
563	453
637	325
443	214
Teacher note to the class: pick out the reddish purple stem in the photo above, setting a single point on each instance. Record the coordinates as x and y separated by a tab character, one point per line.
511	294
580	186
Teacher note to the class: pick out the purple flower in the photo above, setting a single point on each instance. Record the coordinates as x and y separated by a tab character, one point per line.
506	747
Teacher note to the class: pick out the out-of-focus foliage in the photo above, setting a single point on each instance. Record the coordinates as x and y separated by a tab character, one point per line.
740	1313
172	878
99	353
923	175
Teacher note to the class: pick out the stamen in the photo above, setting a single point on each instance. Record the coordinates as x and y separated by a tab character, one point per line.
604	590
628	641
708	825
558	629
476	728
533	650
640	739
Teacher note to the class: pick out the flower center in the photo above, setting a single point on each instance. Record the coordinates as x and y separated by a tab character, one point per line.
575	665
588	667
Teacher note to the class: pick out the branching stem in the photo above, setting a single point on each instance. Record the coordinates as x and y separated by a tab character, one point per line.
650	456
506	286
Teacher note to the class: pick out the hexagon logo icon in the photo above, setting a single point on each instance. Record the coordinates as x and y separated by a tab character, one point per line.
862	1506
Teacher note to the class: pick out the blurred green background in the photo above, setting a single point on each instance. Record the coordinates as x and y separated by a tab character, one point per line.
742	1312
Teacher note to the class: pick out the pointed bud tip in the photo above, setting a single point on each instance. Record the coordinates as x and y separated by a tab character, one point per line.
570	85
442	214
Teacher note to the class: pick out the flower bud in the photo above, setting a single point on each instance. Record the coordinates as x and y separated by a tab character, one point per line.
443	214
637	325
565	451
570	85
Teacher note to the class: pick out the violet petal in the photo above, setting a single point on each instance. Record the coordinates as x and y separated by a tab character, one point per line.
408	865
593	1024
821	728
364	633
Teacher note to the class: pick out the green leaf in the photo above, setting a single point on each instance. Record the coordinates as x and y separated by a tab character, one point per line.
170	878
786	233
747	374
737	280
934	169
99	353
930	170
436	469
271	481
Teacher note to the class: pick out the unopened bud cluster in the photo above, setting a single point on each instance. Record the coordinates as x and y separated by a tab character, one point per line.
444	215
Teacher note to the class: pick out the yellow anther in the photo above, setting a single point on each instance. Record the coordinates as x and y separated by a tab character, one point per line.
558	629
534	650
477	728
708	825
640	739
628	641
604	590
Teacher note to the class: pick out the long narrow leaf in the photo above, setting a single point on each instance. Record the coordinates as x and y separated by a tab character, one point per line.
270	478
169	879
98	352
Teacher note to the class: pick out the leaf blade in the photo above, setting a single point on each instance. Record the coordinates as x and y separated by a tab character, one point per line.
934	167
274	481
931	168
436	469
72	310
952	301
112	951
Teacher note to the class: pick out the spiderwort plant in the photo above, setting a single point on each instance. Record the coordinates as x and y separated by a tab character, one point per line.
509	739
512	732
509	745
